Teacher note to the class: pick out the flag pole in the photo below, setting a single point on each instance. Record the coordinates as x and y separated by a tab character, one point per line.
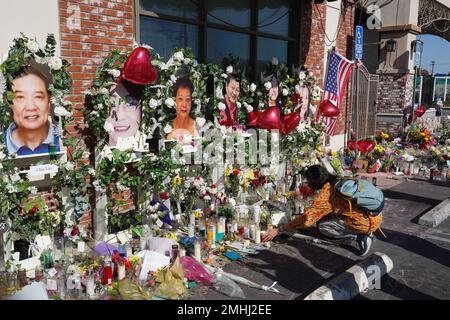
356	112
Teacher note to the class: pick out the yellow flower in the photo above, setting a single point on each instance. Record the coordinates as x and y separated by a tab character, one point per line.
228	170
177	181
250	175
245	184
171	235
198	213
334	154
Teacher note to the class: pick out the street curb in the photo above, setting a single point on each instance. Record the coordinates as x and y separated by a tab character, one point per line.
436	215
354	280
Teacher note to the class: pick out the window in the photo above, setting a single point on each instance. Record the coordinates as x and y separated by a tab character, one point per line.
252	30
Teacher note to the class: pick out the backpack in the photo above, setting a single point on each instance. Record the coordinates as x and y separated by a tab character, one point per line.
362	193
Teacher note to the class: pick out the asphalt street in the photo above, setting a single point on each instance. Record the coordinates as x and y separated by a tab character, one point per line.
421	255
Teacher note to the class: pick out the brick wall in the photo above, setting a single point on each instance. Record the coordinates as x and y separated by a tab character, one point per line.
312	48
345	45
90	29
394	92
312	39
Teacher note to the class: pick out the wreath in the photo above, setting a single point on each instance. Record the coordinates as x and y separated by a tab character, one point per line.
21	210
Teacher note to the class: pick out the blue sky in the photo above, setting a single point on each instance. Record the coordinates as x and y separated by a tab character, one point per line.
435	49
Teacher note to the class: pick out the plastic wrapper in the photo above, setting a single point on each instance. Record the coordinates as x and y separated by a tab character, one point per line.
193	271
225	285
104	249
132	291
171	282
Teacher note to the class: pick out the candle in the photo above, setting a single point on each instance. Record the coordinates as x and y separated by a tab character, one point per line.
210	235
257	235
191	230
252	232
246	232
192	219
197	251
90	286
214	232
256	214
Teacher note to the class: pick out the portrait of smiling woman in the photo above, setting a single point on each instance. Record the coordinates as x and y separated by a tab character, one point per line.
183	124
31	132
125	113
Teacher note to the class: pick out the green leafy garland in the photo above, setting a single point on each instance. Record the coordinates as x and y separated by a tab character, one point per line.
27	217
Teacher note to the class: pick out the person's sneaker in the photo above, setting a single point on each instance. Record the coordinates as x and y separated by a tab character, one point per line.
364	243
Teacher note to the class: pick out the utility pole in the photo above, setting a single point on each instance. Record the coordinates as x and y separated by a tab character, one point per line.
432	67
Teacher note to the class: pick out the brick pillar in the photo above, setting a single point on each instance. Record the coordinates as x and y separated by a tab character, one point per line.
344	45
312	38
90	29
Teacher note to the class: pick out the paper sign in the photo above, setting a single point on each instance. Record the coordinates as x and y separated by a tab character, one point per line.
152	262
159	223
124	236
51	285
42	169
160	245
81	246
52	272
110	238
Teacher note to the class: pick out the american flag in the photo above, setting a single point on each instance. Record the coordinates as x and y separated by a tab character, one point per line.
339	69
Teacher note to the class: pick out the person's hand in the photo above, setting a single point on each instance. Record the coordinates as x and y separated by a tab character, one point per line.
272	233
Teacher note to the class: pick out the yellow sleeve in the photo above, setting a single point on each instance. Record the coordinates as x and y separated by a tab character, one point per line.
320	207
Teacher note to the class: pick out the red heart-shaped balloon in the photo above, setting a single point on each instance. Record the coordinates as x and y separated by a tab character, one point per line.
363	145
290	122
351	145
270	119
420	111
328	109
366	145
138	68
253	118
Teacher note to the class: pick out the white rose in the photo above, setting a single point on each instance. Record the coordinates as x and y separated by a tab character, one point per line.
178	56
200	121
194	63
275	61
169	102
153	103
187	61
219	94
252	87
167	129
238	104
2	84
55	63
91	171
285	92
232	201
69	166
2	155
32	46
249	108
61	112
94	113
302	75
221	106
103	91
224	75
230	69
108	127
173	78
33	190
297	88
15	177
268	85
114	72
